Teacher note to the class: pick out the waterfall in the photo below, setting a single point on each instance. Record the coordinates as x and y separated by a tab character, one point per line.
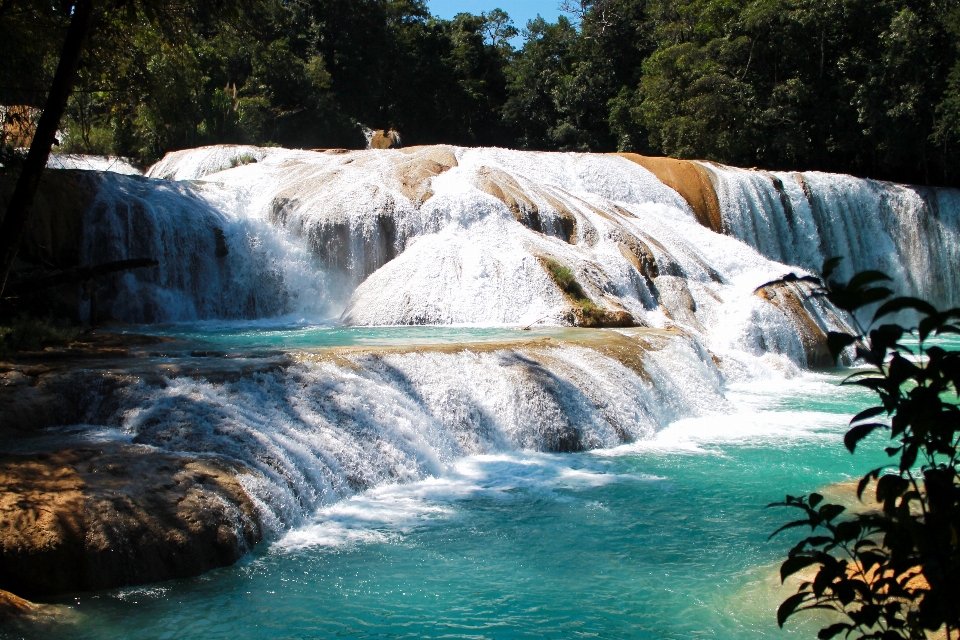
911	233
446	235
212	265
325	426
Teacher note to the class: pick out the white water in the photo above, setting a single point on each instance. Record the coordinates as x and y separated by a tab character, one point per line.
331	426
212	264
415	237
429	236
92	163
910	233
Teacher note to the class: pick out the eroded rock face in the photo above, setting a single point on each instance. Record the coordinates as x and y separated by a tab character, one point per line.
117	515
790	298
385	139
691	180
425	163
12	606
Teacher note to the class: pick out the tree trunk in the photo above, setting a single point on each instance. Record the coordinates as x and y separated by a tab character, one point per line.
21	203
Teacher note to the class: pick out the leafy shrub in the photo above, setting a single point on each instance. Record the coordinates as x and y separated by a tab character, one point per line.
892	573
564	278
26	333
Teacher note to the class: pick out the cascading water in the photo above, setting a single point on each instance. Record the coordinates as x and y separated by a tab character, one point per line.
212	265
330	425
683	417
803	218
440	235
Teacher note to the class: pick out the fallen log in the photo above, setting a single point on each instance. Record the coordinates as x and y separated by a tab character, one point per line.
75	274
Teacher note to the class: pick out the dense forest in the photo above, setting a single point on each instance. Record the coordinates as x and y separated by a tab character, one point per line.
869	87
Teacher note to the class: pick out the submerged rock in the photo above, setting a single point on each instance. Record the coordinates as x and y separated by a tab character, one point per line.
117	515
12	606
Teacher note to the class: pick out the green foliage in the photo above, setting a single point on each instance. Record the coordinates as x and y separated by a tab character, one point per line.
26	333
894	572
870	87
242	159
564	278
299	74
590	313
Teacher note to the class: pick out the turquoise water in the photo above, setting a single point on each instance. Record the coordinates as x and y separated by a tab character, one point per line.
262	336
661	539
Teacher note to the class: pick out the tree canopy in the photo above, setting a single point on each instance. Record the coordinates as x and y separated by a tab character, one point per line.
869	87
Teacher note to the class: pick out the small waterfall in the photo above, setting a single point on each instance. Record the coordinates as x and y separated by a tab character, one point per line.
211	264
333	424
910	233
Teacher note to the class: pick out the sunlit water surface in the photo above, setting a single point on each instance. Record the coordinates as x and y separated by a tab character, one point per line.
659	539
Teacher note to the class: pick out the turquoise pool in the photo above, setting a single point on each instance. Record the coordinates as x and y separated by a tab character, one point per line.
661	539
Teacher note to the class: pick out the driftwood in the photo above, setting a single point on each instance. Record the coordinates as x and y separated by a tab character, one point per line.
75	274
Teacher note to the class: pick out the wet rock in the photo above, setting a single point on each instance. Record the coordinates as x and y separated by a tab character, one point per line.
117	515
12	606
791	299
691	180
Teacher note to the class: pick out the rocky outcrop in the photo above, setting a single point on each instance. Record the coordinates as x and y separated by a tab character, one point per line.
791	299
12	606
425	163
583	311
691	180
117	515
385	139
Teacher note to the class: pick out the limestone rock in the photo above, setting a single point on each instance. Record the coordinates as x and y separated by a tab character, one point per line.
790	299
117	515
12	606
385	139
425	163
691	180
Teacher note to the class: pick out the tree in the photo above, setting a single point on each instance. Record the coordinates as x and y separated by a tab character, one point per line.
82	16
892	573
21	202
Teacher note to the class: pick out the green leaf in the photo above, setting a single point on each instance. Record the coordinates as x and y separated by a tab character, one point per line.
848	530
791	525
830	511
837	342
794	564
875	294
899	304
830	265
835	629
865	480
860	432
860	280
867	413
814	500
891	486
786	609
928	325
